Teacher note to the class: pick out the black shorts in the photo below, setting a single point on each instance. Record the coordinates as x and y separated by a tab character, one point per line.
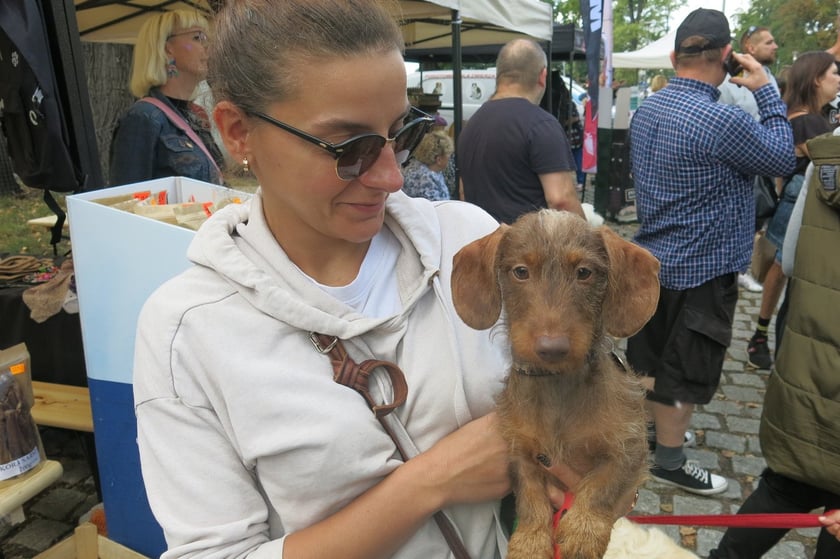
684	344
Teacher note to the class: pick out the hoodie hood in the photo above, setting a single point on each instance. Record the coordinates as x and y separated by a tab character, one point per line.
237	244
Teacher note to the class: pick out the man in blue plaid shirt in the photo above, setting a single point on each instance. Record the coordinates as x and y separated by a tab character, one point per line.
692	162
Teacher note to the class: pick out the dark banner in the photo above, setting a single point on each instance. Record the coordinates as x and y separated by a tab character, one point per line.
592	11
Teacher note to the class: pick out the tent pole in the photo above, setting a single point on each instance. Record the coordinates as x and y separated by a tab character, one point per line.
457	94
457	97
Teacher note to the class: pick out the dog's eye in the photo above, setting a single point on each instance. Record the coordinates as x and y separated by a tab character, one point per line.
520	273
583	273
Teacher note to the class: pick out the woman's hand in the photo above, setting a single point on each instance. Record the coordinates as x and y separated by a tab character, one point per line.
831	521
567	477
470	465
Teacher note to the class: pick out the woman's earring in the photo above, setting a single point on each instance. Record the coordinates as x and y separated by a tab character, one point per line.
171	69
245	167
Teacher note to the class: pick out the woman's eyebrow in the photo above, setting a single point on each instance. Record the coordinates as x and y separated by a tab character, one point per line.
338	124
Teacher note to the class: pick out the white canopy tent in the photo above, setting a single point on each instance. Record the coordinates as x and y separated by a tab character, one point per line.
427	23
654	55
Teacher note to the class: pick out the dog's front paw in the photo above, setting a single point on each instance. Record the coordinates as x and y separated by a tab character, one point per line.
530	544
583	536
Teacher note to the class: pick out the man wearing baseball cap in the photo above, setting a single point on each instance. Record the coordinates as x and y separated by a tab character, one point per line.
692	160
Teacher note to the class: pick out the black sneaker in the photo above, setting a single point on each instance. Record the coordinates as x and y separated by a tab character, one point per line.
692	478
758	353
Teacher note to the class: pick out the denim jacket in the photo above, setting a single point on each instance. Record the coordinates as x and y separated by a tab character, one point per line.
146	145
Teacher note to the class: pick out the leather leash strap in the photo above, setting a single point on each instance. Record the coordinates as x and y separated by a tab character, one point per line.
357	376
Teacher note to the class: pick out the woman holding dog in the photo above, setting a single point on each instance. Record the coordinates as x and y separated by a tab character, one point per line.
294	464
248	445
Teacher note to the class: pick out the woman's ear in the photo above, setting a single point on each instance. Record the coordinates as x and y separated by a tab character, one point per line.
234	128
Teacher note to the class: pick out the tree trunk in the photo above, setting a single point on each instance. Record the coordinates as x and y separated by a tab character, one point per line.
108	67
8	183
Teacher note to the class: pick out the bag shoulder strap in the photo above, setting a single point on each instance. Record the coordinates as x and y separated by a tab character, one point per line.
180	123
357	376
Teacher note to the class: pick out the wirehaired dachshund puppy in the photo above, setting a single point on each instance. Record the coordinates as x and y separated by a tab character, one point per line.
563	286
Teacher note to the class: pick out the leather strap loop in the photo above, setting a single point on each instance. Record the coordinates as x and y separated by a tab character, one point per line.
357	376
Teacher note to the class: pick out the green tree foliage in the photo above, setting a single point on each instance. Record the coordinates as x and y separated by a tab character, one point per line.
798	25
635	22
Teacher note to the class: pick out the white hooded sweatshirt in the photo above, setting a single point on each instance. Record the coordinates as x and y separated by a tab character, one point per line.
244	436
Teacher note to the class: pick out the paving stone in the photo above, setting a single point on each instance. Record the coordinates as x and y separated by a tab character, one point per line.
742	425
691	504
743	393
702	420
786	550
723	407
40	534
746	379
59	503
750	465
726	441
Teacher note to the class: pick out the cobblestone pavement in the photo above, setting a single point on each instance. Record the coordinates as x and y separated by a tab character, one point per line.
727	443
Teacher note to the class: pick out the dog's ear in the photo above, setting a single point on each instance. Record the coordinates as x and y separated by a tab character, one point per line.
475	289
634	285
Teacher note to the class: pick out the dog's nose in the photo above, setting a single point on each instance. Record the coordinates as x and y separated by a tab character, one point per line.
552	348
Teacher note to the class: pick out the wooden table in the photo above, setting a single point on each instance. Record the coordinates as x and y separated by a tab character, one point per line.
19	490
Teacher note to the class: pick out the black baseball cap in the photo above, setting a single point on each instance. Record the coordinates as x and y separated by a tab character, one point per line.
709	24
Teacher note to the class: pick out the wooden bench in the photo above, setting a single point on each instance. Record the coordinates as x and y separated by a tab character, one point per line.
46	223
63	406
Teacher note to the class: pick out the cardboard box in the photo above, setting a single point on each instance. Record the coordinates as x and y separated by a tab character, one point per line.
86	543
120	258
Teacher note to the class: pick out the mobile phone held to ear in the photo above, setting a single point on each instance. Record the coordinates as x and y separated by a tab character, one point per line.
733	67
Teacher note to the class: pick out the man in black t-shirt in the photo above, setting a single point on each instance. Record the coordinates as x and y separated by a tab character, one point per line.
514	156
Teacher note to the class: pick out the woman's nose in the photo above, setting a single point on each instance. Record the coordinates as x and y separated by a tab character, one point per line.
385	173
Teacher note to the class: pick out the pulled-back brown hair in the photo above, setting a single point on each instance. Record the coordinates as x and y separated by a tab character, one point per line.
801	88
258	45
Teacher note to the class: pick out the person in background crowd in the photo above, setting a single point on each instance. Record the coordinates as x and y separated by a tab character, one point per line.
691	159
164	133
513	156
658	82
831	522
798	429
832	110
760	43
568	115
812	82
423	175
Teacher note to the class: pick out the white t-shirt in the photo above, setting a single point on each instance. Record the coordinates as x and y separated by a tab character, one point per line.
374	292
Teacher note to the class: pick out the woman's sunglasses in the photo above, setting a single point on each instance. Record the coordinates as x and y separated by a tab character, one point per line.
198	36
356	155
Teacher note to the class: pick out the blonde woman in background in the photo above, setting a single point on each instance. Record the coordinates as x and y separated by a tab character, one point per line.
658	82
165	133
423	176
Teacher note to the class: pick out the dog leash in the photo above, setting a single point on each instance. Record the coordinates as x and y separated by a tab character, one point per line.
757	520
788	521
357	376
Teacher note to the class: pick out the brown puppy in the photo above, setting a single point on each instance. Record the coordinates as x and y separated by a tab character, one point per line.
564	286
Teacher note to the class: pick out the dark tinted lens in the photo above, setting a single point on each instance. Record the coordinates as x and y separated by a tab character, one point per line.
358	156
408	138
